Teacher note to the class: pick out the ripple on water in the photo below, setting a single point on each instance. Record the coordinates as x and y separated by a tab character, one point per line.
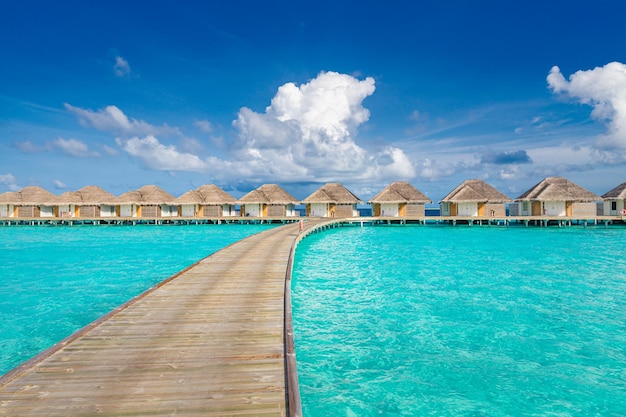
446	321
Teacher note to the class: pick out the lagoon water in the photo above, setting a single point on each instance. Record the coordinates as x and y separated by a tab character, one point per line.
391	321
55	280
461	321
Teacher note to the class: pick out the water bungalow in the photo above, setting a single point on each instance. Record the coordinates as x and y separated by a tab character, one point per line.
88	202
32	201
206	201
7	204
332	200
558	196
399	199
269	200
474	198
615	201
148	201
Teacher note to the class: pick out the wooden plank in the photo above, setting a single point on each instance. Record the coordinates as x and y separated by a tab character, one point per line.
209	341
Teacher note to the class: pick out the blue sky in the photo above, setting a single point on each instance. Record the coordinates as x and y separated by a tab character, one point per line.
180	94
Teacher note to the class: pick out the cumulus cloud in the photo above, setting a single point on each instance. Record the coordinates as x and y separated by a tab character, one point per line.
604	89
503	158
112	119
9	181
204	126
121	68
73	147
158	156
432	168
308	132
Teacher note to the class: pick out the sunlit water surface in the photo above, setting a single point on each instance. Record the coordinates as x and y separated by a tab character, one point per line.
55	280
461	321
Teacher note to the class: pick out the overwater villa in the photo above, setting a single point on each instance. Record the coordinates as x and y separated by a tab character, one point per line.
615	201
554	196
206	201
88	202
269	200
557	196
332	200
7	204
399	199
32	201
474	198
148	201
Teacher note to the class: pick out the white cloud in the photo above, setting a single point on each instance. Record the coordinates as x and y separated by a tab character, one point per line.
73	147
191	145
60	185
121	68
70	147
204	126
9	181
29	147
155	155
110	150
112	119
307	133
561	154
603	88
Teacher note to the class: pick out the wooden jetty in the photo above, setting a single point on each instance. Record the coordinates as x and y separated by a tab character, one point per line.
213	340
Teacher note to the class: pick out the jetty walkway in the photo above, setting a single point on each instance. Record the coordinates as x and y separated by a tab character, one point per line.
213	340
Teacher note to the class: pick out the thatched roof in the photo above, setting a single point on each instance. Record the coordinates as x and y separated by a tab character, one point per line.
206	194
558	189
332	192
475	191
86	196
213	194
617	193
147	195
10	197
190	197
28	196
68	197
94	195
400	192
268	194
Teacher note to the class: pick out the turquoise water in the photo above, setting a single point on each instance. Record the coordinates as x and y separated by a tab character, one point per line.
461	321
55	280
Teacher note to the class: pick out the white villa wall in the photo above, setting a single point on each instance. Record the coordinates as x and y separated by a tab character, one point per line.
290	210
188	210
128	210
389	210
46	211
467	209
107	211
6	210
228	210
319	210
253	210
608	204
66	210
169	211
554	208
